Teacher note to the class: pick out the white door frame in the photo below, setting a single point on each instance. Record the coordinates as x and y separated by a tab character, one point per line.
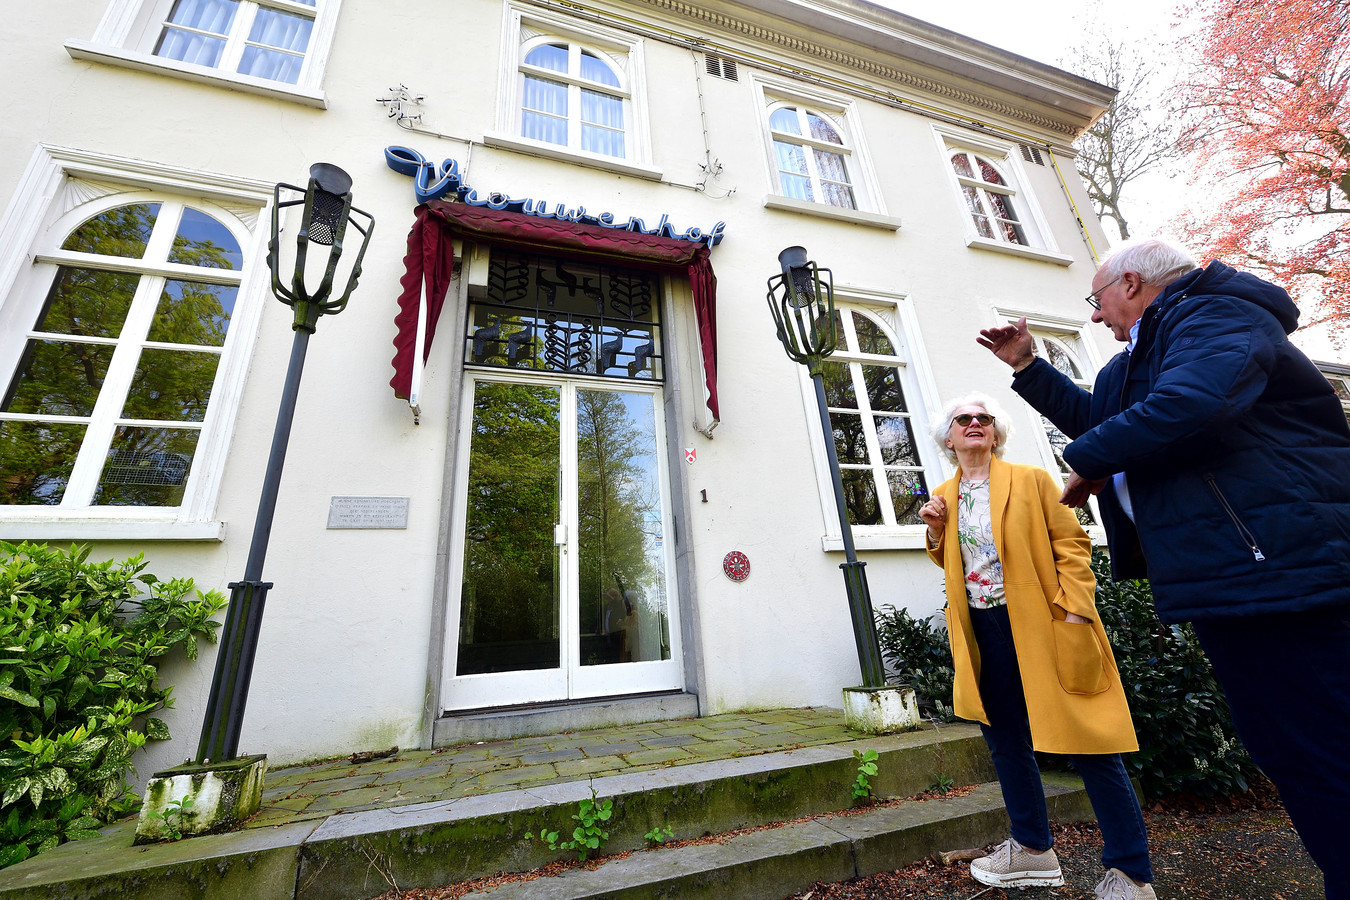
571	680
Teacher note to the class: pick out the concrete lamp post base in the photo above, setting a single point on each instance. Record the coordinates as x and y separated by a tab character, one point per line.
882	710
223	795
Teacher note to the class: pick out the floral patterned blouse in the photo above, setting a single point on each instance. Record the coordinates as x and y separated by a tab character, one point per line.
979	557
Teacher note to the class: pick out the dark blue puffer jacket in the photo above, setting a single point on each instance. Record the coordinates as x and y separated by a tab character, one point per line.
1235	450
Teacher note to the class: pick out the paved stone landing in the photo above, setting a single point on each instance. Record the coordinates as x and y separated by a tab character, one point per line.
341	831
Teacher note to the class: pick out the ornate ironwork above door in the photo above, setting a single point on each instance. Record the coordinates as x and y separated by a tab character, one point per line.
560	315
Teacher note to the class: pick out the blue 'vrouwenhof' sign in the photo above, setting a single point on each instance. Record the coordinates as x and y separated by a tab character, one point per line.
432	182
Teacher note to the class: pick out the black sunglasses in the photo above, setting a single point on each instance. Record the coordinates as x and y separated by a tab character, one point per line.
966	418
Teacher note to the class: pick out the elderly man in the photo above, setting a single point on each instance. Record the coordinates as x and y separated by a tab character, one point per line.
1222	457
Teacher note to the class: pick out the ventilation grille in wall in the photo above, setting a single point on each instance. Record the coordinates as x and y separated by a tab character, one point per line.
1032	154
721	67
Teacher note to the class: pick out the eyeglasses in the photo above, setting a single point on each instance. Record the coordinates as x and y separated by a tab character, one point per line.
966	418
1092	297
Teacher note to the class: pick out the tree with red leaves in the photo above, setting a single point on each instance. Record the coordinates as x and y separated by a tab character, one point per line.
1268	122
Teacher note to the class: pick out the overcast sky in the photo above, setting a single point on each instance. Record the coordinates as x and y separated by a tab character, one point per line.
1049	31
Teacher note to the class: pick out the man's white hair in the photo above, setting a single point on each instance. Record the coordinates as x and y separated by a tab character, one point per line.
1156	261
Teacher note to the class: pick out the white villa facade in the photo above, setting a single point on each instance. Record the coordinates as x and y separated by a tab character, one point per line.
608	498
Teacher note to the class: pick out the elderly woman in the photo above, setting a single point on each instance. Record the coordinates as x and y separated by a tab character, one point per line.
1033	665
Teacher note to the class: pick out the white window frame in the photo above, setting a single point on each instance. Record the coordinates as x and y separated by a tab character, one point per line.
844	114
896	316
525	29
1006	157
1072	336
63	187
1339	376
127	34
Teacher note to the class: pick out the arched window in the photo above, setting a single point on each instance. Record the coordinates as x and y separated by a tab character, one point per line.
812	156
573	96
870	398
116	372
989	198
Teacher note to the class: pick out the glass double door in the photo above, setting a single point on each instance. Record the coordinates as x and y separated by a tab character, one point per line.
563	565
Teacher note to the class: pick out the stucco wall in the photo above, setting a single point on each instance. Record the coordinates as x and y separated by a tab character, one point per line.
343	657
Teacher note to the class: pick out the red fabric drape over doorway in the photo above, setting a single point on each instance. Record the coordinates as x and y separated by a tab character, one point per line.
430	258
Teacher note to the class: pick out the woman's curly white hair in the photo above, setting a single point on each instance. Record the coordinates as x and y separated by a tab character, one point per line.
939	427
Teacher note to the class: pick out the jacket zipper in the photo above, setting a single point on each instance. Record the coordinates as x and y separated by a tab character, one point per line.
1232	514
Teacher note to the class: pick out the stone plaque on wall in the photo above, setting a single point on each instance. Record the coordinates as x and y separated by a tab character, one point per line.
368	512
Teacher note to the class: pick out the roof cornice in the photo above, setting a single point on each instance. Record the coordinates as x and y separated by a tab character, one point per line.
891	47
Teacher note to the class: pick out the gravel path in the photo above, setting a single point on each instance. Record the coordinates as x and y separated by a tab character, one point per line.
1244	849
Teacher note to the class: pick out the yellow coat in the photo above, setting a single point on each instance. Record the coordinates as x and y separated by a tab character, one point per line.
1075	701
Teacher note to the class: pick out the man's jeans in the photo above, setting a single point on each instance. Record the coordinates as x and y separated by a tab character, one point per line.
1009	738
1287	679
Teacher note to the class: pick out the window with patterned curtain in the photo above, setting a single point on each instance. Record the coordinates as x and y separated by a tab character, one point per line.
989	198
573	96
812	156
266	39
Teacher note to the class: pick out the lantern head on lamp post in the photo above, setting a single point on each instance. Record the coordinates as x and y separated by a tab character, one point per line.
328	211
324	221
801	299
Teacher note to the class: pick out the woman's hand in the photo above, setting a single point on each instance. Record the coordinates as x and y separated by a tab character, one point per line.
1076	619
934	515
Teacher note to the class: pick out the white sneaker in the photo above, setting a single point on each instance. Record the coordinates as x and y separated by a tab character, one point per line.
1012	865
1118	886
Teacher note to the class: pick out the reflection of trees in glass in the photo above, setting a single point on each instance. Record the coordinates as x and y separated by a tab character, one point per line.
123	232
860	497
35	461
615	491
146	467
509	555
63	374
884	416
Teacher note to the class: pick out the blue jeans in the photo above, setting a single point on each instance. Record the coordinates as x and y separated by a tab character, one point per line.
1287	679
1008	735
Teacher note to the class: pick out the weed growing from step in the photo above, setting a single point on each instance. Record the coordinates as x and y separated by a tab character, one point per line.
942	784
867	767
659	835
172	817
588	837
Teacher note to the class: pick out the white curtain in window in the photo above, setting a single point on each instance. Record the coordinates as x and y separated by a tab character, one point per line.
213	16
285	32
280	31
792	171
601	123
544	116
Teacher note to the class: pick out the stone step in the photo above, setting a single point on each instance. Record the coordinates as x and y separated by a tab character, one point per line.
440	843
776	863
357	855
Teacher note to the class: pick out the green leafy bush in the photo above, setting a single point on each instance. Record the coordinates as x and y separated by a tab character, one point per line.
80	646
1186	737
918	655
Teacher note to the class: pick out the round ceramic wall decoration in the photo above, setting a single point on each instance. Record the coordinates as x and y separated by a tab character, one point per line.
736	566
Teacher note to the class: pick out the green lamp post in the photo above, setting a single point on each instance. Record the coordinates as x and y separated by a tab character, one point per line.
801	300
